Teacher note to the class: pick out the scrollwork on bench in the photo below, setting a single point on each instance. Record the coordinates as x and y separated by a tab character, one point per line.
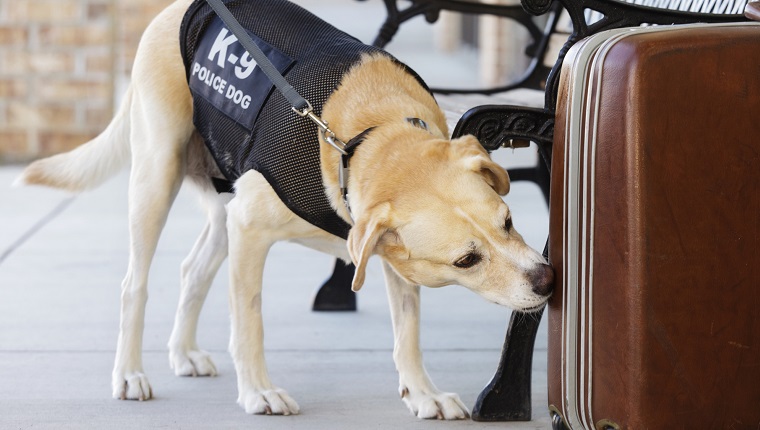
498	126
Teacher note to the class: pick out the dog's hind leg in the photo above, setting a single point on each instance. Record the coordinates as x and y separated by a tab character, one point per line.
158	161
415	387
197	273
161	125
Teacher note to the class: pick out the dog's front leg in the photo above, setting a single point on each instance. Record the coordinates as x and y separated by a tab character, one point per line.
248	248
415	386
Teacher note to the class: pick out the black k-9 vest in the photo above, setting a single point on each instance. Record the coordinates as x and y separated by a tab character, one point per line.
245	122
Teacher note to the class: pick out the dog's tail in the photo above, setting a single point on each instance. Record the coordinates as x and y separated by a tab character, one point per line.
88	165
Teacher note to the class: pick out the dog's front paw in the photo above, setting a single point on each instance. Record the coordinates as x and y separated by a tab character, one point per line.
434	405
131	386
192	363
268	402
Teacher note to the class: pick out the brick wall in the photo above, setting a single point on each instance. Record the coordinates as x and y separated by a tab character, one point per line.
133	17
60	65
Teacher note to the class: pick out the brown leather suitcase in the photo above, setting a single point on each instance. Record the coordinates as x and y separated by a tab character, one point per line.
655	231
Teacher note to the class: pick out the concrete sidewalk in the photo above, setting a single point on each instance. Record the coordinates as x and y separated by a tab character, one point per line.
61	268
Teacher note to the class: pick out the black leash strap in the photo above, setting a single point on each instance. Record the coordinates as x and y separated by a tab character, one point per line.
299	103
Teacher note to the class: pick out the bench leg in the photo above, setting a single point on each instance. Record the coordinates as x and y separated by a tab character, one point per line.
396	17
538	174
335	294
390	26
508	396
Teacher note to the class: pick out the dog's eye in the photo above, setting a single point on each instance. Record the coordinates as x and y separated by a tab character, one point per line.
468	261
508	224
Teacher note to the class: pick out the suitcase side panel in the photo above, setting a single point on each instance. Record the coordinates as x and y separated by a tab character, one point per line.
638	372
679	143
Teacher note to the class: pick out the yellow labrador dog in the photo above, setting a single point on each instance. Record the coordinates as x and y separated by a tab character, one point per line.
429	206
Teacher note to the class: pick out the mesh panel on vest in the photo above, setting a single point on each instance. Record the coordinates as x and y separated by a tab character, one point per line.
281	145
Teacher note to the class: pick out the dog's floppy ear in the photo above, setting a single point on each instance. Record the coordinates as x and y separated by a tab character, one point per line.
475	158
363	239
494	175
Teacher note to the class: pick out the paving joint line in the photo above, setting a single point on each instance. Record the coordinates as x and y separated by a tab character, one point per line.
57	210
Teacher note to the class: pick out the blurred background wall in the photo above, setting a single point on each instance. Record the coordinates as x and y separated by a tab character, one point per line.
64	64
61	65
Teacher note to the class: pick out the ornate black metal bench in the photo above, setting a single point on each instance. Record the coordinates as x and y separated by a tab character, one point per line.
508	396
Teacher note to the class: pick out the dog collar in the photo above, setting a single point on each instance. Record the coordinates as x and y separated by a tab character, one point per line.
347	151
418	123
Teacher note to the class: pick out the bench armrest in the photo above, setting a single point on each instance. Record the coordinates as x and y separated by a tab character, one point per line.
499	126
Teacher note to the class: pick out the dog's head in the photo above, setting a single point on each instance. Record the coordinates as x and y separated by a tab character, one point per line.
445	223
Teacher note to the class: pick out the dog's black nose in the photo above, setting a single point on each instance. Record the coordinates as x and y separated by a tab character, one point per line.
542	279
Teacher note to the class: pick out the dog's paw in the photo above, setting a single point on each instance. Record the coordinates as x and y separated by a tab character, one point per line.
192	363
131	386
435	405
268	402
